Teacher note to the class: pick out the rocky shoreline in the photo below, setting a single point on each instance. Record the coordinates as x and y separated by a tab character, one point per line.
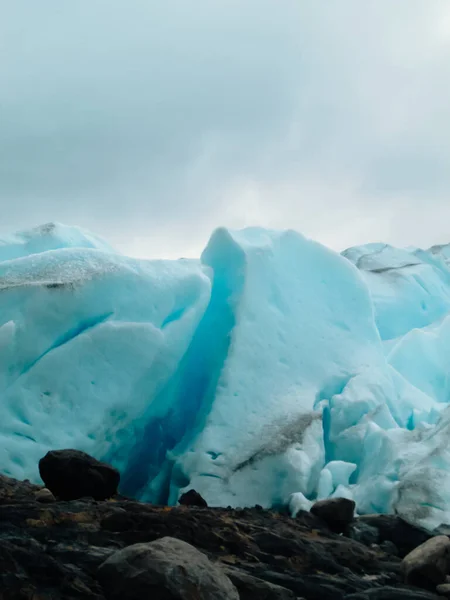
51	550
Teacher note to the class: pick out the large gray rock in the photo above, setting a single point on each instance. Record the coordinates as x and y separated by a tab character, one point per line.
72	474
428	565
336	512
167	569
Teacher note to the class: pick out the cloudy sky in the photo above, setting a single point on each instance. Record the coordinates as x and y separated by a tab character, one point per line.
152	122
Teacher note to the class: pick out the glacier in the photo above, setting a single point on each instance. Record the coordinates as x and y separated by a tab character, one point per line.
270	371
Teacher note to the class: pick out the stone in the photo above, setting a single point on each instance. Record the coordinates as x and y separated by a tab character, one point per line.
393	529
428	565
54	550
338	513
167	569
72	474
22	491
389	548
192	498
45	496
253	588
443	590
393	593
362	532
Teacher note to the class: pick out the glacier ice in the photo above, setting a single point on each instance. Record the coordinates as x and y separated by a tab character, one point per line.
87	340
409	289
272	371
298	502
50	236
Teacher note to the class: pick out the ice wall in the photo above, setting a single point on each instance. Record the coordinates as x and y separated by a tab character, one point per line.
261	435
87	341
272	371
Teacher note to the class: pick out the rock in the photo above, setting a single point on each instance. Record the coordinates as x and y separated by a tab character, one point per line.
253	588
192	498
393	593
16	491
362	532
428	565
55	550
389	548
443	590
336	512
71	474
45	496
307	519
393	529
320	588
168	569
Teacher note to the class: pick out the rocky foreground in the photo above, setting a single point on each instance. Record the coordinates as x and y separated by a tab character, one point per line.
54	549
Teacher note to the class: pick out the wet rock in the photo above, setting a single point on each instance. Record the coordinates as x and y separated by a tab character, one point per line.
29	571
168	569
362	532
389	548
254	588
45	496
15	491
394	593
336	512
53	551
393	529
443	590
71	474
307	519
192	498
310	588
428	565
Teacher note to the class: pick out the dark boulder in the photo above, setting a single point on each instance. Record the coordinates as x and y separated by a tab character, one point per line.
336	512
393	529
168	569
192	498
72	474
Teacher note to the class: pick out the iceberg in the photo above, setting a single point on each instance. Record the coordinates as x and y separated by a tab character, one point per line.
271	371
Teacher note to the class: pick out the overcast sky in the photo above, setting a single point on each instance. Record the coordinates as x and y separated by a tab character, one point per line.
151	122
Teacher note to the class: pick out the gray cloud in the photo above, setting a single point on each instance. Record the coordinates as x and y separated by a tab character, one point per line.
153	122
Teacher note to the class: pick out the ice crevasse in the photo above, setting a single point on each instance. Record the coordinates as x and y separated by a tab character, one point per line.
271	371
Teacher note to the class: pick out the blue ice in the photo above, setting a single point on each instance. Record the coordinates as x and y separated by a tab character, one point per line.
271	371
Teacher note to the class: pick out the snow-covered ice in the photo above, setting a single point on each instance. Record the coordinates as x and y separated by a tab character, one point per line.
272	371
